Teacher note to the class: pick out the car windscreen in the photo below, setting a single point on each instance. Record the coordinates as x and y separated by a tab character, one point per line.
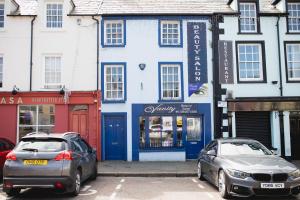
41	145
243	148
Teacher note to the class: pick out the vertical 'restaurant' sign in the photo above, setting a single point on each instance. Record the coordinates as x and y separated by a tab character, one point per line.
197	58
225	62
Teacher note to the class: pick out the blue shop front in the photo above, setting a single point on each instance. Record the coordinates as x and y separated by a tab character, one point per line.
169	132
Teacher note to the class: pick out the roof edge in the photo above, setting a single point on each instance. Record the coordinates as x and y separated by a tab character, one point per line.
17	5
275	2
229	2
19	15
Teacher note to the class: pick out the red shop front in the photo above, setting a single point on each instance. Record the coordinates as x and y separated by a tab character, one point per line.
47	112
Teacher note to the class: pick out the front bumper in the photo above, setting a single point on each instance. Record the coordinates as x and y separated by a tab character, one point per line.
250	187
38	182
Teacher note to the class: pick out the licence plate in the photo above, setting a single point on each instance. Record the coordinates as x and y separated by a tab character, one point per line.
272	185
35	162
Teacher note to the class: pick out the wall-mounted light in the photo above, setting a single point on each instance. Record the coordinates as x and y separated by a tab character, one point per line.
15	90
142	66
62	90
274	82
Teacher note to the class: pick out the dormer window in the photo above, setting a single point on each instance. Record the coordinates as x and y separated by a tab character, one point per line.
54	15
1	15
294	16
248	17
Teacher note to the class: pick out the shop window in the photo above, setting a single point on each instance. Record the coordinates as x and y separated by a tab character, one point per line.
165	132
1	15
1	71
293	61
293	8
54	15
114	33
36	118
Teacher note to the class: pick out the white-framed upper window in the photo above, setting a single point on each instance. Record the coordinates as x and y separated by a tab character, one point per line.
248	17
53	73
250	63
170	33
114	32
54	15
293	61
294	16
1	15
114	82
1	71
170	81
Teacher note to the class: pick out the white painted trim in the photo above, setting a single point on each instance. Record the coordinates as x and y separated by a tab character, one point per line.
287	136
233	124
275	131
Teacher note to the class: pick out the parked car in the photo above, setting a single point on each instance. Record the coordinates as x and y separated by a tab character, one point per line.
245	167
41	160
5	147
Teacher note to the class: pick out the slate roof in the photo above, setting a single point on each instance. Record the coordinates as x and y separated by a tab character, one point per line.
144	7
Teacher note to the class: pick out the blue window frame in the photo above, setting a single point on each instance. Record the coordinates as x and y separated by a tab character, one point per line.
170	81
113	82
113	33
1	15
170	33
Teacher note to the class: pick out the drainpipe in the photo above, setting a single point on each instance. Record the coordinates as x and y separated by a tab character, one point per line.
31	52
97	21
279	57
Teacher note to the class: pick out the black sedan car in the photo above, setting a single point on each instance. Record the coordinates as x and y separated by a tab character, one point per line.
58	161
245	167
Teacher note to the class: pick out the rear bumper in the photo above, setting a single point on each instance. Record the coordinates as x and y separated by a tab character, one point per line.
38	182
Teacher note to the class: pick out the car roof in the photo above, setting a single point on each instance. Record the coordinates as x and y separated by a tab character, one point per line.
43	135
237	139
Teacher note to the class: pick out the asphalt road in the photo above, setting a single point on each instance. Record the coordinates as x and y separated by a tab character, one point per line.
137	188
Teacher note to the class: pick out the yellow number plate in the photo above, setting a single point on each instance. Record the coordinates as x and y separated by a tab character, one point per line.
35	162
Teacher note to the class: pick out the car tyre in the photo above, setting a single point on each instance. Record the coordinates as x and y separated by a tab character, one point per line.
13	192
77	183
222	185
95	172
199	171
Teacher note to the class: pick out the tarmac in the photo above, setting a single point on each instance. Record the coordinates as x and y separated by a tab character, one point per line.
151	169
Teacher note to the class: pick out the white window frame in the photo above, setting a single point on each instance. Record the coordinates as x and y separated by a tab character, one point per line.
292	61
46	16
2	3
118	82
248	17
162	89
111	22
172	22
296	18
57	85
2	70
261	70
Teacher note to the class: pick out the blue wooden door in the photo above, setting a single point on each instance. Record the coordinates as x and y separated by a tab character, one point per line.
115	137
194	136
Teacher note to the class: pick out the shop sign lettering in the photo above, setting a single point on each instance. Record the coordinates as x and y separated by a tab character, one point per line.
170	108
11	100
225	62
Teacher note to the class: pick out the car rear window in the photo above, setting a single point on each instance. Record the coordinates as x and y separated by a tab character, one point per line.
38	145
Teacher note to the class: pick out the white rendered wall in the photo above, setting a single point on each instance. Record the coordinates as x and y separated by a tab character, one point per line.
142	47
162	156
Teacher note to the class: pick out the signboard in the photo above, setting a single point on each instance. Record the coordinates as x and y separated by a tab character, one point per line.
225	62
197	59
222	104
179	108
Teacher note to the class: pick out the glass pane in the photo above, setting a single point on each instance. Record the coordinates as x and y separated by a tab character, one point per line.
46	115
179	131
46	129
167	131
25	130
27	115
193	129
142	133
155	131
80	108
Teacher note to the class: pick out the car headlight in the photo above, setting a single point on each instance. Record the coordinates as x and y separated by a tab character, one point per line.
238	174
295	174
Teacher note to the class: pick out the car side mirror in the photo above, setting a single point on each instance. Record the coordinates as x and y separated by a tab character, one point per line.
274	151
212	153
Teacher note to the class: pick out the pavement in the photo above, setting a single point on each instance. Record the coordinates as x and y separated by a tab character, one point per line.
148	169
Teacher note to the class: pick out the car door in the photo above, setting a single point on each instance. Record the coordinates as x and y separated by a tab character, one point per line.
213	163
84	160
89	160
209	161
205	159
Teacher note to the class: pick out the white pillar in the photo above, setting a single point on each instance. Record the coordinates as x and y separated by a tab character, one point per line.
287	136
275	131
233	124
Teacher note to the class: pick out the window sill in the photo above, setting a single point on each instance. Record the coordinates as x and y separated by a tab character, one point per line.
170	100
112	46
249	33
113	101
250	82
292	33
51	30
293	81
170	46
163	149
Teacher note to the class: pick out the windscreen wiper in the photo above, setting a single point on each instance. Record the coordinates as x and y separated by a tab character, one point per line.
30	149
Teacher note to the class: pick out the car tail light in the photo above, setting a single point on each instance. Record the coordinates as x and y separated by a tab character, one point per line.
7	184
65	155
11	156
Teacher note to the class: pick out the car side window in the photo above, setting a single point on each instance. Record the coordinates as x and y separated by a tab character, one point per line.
90	149
213	146
76	146
83	145
5	145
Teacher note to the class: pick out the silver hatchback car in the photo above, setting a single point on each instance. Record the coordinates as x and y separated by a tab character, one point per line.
244	167
58	161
